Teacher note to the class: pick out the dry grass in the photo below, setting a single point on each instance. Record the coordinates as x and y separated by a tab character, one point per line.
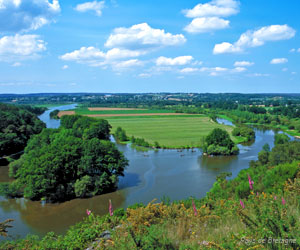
62	113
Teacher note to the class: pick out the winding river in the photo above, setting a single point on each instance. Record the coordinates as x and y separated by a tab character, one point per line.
150	175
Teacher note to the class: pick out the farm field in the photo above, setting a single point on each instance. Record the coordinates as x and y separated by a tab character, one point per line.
168	131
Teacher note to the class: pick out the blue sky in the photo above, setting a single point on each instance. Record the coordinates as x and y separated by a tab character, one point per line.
149	46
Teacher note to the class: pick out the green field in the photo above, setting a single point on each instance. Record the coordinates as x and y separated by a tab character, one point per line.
168	131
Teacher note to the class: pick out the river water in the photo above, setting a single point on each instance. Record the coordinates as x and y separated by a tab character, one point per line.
150	175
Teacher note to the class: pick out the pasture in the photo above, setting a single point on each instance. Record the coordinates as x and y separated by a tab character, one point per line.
168	131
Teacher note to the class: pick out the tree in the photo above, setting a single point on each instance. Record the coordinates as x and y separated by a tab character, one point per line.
281	139
17	125
120	134
58	164
218	142
266	147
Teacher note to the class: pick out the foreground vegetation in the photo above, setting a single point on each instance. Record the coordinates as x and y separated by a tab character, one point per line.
76	160
259	209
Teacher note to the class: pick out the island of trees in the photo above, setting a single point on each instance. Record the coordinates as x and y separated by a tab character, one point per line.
218	142
54	114
76	160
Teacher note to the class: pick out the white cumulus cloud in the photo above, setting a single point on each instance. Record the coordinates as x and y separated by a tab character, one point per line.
221	8
206	24
91	6
24	15
20	47
279	61
206	17
256	38
243	64
142	37
89	55
180	60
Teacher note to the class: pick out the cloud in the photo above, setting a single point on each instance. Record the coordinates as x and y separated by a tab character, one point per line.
180	60
96	58
117	53
211	71
20	47
87	55
16	64
189	70
207	16
24	15
142	37
206	24
239	69
279	61
144	75
258	75
125	65
256	38
243	64
285	69
298	50
128	43
65	67
91	6
222	8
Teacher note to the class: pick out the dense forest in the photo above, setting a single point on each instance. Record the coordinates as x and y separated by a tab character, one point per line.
17	125
76	160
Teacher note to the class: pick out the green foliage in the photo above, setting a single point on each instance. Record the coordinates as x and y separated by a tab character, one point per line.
266	147
58	164
269	219
218	142
281	139
54	114
17	125
244	131
267	175
139	142
120	134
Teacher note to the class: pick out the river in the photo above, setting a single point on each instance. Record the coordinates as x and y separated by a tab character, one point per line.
150	175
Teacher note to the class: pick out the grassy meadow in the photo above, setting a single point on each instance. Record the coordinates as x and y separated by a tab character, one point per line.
168	131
